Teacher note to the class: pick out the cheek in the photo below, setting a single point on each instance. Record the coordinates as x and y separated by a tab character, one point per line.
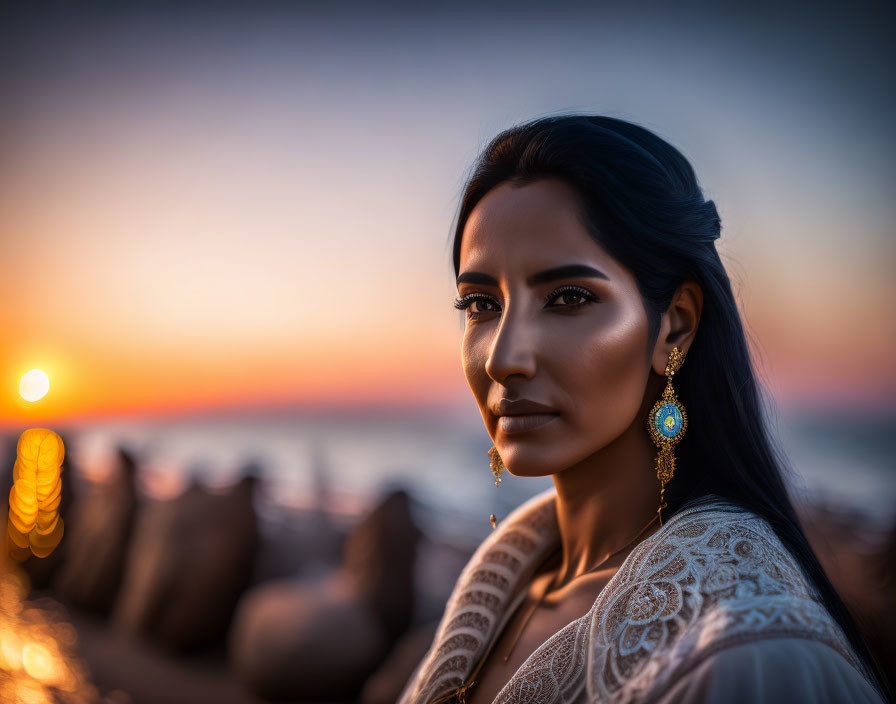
606	382
468	356
474	353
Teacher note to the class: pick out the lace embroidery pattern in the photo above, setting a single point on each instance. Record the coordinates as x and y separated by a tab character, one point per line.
715	575
553	673
500	566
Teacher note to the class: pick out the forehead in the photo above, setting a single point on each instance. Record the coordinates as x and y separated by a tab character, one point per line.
527	227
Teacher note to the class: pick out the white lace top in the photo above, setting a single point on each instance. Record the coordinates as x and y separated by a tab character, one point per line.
712	592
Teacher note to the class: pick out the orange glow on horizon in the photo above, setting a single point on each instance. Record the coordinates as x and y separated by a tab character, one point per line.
98	385
108	386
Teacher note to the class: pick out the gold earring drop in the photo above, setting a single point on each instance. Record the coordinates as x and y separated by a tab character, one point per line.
497	465
666	423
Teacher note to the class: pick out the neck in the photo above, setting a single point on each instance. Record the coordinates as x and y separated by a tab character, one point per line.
605	500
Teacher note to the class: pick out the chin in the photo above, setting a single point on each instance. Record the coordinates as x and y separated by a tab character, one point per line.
522	461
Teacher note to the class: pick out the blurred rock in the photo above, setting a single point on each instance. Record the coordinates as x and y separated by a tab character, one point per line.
306	640
886	570
297	545
437	567
858	557
97	539
379	561
191	559
386	684
310	639
882	638
148	675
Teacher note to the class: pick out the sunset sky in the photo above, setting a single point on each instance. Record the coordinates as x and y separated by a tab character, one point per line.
201	210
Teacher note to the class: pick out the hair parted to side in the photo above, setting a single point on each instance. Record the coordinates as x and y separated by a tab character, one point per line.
641	201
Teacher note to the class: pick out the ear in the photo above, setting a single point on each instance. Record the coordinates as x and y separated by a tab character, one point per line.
678	326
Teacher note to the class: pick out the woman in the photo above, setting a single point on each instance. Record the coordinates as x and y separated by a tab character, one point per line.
604	347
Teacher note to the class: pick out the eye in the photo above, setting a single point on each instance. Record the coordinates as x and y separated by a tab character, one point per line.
566	292
571	292
464	302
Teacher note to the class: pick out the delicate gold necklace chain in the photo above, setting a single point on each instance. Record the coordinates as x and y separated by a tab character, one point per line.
551	585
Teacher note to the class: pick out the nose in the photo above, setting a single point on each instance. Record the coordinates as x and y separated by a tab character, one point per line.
513	349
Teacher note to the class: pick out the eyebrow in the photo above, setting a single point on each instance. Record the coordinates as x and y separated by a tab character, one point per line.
566	271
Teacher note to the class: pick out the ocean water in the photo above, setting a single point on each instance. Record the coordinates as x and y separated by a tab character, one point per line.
346	459
342	459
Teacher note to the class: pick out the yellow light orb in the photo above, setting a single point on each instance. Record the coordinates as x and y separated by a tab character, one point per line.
39	662
34	385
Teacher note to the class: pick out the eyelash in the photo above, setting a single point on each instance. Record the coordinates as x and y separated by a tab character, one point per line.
463	302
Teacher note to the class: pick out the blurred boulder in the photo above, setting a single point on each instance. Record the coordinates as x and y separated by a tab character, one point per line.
97	539
378	560
386	684
858	556
294	544
437	567
886	567
876	608
191	559
321	639
306	640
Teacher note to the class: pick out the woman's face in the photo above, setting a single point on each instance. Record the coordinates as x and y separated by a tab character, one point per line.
575	342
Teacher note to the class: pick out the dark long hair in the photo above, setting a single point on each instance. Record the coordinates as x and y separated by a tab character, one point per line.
641	201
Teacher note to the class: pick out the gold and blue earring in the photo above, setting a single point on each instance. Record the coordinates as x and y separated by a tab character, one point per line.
666	423
498	467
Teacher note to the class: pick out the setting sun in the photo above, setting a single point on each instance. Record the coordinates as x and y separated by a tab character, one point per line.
34	385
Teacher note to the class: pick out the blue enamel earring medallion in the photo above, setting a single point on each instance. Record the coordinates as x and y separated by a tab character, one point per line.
666	423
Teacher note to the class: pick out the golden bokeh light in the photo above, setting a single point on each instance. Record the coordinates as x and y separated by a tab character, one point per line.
34	525
39	660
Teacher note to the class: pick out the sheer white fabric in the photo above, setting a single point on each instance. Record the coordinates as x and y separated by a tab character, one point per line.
714	579
792	670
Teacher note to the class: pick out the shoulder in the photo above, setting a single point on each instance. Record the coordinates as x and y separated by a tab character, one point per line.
714	577
730	553
504	562
521	539
717	550
501	565
795	670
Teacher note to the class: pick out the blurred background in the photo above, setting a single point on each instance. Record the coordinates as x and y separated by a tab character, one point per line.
225	240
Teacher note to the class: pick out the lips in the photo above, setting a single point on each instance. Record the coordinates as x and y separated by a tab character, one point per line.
525	422
522	415
519	407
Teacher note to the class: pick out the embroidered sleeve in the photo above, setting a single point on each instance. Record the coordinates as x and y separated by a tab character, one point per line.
792	670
